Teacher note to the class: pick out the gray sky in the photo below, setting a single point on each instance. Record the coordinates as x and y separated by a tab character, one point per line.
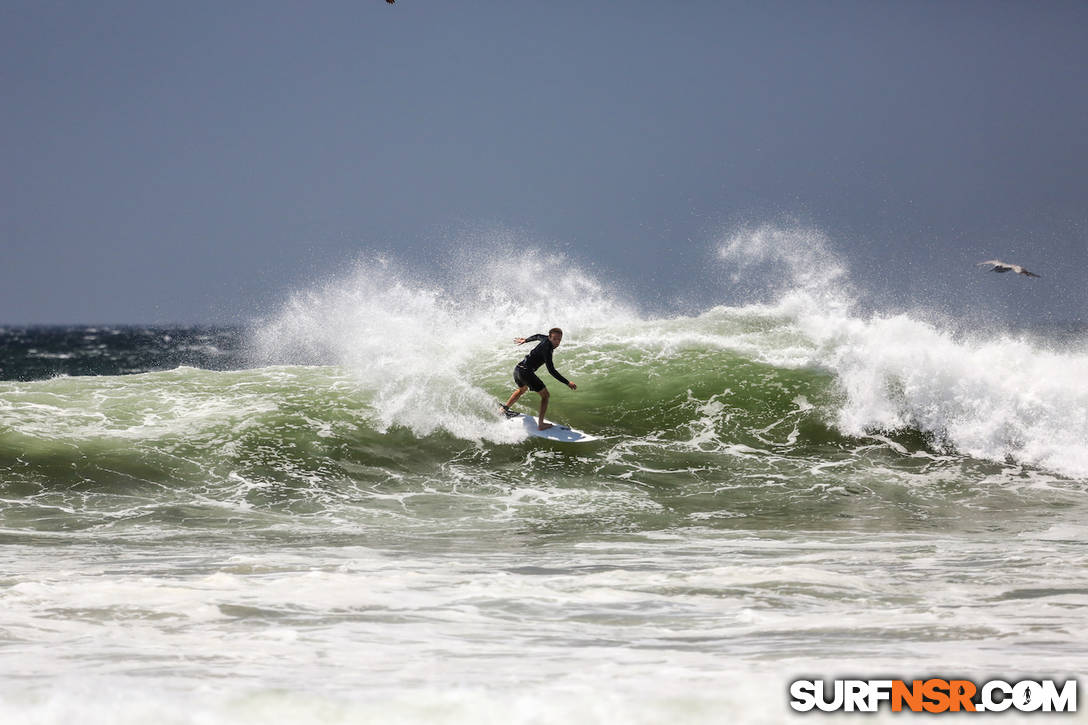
192	161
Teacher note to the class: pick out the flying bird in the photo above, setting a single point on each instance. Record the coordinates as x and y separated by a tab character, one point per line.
996	265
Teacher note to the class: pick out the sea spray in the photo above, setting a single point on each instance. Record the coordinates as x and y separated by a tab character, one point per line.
423	349
993	395
795	267
998	399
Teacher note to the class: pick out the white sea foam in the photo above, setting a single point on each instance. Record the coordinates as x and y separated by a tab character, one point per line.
419	345
688	625
987	398
993	395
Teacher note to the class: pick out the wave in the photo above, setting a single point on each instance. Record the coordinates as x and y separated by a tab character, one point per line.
428	351
383	365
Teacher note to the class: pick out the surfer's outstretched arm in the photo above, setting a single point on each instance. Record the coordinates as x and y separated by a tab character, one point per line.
556	374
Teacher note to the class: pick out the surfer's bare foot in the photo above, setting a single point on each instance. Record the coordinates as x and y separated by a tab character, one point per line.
544	426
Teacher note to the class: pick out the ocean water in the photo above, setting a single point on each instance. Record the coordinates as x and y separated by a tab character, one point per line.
320	518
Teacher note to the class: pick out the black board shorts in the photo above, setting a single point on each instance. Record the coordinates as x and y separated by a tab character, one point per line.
524	376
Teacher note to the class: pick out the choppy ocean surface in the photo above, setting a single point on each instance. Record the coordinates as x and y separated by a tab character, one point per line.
321	518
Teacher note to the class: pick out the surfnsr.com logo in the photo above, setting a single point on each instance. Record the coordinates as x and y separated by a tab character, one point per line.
933	695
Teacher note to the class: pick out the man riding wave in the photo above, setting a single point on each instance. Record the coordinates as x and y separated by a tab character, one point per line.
525	376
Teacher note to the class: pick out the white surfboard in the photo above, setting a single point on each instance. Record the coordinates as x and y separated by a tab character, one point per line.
562	433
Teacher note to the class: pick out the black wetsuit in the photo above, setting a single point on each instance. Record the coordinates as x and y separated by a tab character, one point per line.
525	371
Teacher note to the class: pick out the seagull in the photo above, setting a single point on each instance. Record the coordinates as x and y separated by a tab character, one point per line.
996	265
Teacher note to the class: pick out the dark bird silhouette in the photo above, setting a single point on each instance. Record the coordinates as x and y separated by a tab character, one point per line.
996	265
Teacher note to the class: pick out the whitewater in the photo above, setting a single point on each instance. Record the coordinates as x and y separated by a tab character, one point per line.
322	519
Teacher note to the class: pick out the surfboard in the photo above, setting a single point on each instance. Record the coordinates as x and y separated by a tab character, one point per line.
561	433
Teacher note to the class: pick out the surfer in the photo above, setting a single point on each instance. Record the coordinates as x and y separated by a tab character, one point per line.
525	372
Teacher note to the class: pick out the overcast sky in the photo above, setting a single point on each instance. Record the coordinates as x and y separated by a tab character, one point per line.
193	161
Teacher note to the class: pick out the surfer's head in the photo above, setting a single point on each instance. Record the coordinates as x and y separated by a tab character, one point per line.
556	336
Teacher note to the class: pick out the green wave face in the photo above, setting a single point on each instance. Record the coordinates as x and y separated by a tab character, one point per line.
692	434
